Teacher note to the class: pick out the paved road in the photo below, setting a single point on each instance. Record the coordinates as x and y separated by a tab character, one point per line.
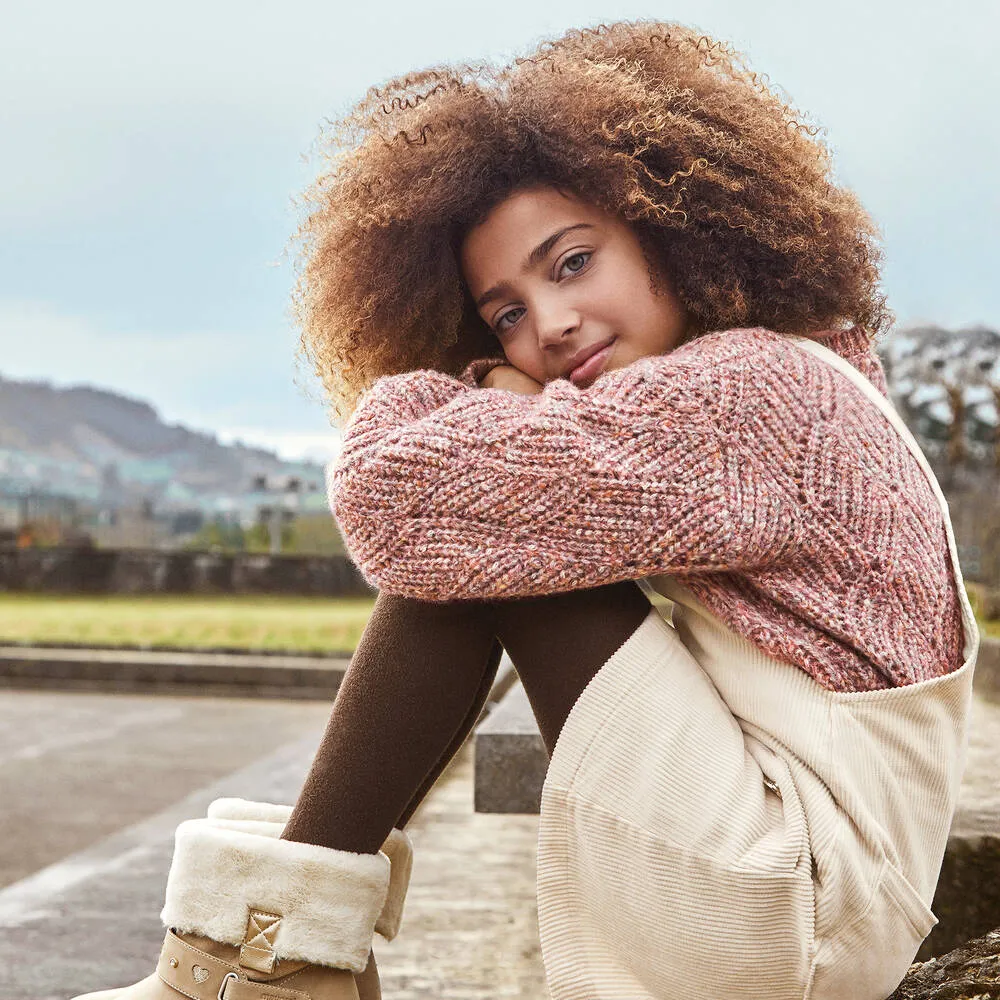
94	785
77	767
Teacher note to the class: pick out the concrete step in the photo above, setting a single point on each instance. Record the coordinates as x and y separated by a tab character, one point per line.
240	675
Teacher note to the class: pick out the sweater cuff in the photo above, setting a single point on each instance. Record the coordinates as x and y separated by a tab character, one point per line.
399	399
477	370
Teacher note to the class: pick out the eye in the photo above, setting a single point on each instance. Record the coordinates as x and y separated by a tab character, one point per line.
500	327
576	262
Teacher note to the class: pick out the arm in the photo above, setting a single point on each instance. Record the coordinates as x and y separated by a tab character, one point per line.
444	491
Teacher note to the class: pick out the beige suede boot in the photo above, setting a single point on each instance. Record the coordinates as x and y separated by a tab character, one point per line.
252	917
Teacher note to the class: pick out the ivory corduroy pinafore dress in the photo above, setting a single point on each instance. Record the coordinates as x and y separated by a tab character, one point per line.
717	825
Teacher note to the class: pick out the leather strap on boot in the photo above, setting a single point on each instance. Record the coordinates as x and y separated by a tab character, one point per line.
201	976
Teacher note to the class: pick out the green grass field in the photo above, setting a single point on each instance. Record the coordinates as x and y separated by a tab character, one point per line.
300	624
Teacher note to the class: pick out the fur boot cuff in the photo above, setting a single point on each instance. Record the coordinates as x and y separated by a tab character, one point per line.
267	812
397	848
325	901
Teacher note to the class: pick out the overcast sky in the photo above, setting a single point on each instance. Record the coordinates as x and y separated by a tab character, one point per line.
150	153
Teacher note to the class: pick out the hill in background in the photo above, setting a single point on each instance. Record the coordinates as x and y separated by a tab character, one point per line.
98	445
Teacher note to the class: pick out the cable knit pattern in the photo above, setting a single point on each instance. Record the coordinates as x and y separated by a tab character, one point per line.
751	470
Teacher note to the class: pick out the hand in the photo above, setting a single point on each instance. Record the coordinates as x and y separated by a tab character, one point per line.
510	378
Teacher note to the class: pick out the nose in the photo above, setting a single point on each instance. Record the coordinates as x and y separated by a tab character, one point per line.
554	321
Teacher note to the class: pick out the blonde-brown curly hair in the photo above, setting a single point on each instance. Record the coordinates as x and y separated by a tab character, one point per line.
729	191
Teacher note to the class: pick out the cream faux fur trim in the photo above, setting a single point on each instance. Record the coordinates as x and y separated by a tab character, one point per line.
246	809
328	900
270	820
257	826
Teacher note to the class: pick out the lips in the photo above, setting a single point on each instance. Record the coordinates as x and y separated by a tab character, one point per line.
587	364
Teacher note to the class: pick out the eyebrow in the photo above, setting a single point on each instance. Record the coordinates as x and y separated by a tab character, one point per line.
538	254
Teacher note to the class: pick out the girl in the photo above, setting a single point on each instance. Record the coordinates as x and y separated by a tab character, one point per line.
674	306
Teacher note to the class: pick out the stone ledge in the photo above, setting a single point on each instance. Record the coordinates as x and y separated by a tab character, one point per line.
170	672
967	899
511	760
970	972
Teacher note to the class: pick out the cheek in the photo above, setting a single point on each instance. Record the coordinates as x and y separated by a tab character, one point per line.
647	328
621	298
662	318
629	311
519	352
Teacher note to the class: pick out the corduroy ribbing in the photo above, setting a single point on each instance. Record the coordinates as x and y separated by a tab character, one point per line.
662	852
668	864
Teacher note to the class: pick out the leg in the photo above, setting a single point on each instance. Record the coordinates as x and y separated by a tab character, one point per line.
415	686
558	642
392	731
380	709
461	734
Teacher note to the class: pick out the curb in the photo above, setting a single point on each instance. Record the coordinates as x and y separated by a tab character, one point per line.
171	672
250	675
176	672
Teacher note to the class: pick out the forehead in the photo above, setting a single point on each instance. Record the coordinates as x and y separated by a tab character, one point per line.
496	249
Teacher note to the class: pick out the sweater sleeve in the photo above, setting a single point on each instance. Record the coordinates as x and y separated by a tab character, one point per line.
443	491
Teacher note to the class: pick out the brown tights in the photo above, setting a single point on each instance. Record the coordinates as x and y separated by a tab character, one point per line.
415	687
417	683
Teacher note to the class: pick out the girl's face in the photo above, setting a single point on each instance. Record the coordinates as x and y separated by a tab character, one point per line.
565	287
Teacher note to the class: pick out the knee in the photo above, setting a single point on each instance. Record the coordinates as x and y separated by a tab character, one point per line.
622	602
443	613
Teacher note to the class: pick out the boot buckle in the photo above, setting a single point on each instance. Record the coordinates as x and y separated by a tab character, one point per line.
225	979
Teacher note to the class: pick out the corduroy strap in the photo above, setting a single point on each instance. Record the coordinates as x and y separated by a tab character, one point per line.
200	976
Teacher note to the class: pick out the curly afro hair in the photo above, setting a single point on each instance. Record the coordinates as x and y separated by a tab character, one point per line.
729	192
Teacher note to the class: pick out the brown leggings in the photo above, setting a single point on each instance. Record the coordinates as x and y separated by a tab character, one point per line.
417	683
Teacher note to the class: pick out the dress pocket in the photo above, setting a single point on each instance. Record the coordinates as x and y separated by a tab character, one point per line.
868	958
916	912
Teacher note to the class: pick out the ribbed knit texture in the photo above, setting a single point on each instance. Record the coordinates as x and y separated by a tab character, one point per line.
750	470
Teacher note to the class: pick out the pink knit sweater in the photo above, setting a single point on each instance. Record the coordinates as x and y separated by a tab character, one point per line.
752	471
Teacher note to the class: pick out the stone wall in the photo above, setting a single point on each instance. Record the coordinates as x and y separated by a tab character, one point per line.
152	571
